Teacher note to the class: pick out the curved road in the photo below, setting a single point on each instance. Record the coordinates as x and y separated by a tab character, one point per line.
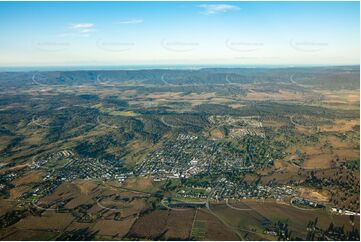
35	81
175	209
239	209
34	121
293	122
292	81
168	124
221	219
106	125
228	81
165	82
41	208
106	208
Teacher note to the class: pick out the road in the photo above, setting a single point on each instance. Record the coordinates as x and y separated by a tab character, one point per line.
165	82
168	124
175	209
34	121
106	125
239	209
292	81
117	189
305	209
194	220
297	84
34	79
227	80
232	83
41	208
219	218
293	122
98	81
106	208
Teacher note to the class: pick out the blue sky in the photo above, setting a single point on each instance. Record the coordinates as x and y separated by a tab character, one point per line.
169	33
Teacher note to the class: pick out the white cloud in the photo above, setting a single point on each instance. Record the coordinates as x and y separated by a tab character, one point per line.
87	30
131	21
79	30
210	9
81	25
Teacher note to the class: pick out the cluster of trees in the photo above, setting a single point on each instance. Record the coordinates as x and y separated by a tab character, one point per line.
333	232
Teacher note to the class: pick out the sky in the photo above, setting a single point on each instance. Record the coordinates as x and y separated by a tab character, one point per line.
179	33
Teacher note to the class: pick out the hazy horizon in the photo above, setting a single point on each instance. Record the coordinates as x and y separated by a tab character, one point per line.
37	34
153	67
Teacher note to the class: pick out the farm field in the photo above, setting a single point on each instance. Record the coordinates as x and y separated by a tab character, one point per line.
208	154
